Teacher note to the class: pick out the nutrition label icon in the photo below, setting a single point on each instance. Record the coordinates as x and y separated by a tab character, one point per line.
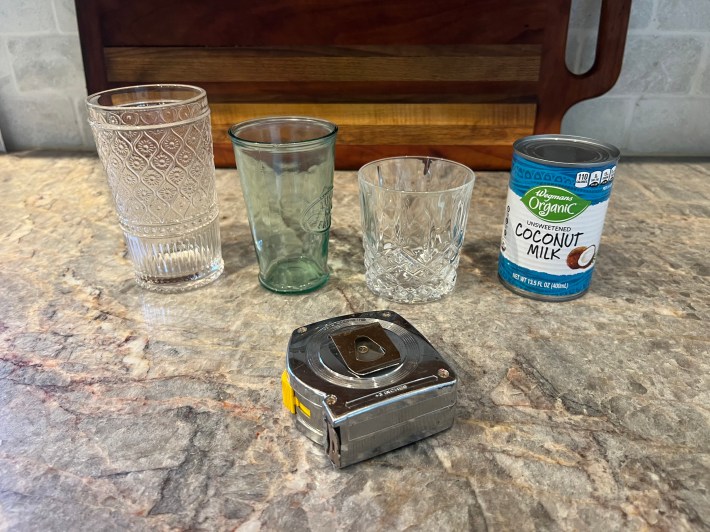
582	180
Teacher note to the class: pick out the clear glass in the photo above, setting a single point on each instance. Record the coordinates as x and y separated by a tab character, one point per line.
286	168
414	212
155	144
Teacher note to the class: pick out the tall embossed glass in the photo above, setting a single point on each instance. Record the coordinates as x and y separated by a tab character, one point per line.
285	166
413	212
155	144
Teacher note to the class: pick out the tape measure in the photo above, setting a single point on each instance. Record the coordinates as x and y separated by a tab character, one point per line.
363	384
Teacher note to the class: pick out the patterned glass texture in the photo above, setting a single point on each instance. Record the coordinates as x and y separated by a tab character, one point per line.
155	144
414	212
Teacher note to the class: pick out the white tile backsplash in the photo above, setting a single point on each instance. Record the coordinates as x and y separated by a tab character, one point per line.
600	118
659	64
683	15
46	122
26	16
41	76
5	69
52	62
666	126
701	87
641	14
660	104
66	16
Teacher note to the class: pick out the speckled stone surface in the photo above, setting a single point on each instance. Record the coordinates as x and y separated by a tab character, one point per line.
123	409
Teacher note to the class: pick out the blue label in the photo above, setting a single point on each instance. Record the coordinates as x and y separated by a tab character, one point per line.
592	184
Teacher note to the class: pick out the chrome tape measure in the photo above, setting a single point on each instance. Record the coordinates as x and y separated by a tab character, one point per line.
363	384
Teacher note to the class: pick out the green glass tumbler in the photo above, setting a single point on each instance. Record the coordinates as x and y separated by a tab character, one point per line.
285	166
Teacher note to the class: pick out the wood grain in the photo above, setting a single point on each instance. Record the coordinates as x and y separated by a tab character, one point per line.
385	114
327	64
352	157
350	52
368	91
420	124
480	135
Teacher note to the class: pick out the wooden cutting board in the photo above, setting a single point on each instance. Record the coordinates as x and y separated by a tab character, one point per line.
460	79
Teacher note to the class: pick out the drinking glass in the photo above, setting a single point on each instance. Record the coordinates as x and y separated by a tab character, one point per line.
155	144
413	213
285	166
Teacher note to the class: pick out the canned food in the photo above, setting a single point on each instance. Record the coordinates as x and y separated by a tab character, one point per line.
557	201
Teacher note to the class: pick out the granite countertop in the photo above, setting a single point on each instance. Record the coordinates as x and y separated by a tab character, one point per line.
125	409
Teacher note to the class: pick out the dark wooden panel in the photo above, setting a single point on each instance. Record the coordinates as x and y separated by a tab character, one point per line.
320	22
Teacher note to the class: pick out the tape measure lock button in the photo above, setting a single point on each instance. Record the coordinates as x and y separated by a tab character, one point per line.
289	397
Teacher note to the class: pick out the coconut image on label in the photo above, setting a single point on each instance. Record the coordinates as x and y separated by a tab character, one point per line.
581	257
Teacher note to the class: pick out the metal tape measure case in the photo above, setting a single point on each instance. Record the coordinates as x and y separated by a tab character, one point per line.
367	383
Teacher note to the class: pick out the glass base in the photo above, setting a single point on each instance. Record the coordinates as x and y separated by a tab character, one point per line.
420	294
409	276
177	263
294	276
172	285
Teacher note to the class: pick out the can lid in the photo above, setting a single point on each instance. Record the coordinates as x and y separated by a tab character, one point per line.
565	150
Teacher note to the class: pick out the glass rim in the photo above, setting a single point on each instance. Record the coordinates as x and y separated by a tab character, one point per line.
470	177
92	98
236	140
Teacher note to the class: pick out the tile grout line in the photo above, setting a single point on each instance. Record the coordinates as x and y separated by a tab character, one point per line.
628	121
704	61
5	51
653	23
55	17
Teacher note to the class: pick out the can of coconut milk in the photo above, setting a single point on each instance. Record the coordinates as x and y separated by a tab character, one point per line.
557	200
